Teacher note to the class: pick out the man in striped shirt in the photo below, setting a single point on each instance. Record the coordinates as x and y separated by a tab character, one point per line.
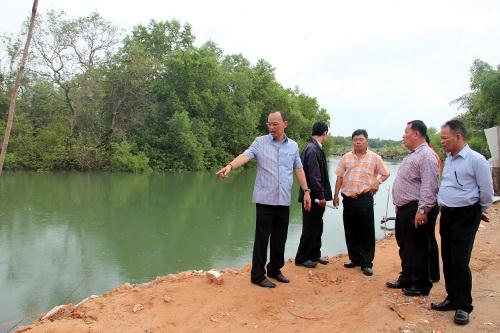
414	194
358	179
277	159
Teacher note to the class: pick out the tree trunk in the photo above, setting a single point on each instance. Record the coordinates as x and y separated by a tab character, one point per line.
13	95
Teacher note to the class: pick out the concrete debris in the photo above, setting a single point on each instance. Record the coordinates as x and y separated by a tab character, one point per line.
137	307
22	329
58	312
215	277
85	300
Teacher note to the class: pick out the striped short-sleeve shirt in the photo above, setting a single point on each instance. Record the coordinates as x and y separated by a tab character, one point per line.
275	164
360	173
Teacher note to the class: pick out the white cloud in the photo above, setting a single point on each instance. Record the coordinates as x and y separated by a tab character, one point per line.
372	64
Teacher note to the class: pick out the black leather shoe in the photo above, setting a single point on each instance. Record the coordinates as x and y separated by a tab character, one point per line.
280	278
368	271
307	263
398	284
445	305
461	317
412	291
350	264
266	284
322	261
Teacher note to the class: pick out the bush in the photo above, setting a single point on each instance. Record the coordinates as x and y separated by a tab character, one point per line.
124	159
13	161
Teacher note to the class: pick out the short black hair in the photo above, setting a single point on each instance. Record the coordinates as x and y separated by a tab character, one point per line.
456	126
282	113
319	128
418	126
359	132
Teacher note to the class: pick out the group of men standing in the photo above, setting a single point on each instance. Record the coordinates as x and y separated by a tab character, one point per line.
465	193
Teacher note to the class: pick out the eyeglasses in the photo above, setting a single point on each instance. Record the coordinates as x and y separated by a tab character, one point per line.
272	124
456	177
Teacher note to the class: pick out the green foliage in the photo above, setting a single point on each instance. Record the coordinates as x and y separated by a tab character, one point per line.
386	148
482	104
49	150
124	159
158	102
13	161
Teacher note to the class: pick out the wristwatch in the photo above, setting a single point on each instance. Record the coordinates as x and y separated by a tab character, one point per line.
307	190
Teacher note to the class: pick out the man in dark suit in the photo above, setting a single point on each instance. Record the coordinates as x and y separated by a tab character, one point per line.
316	170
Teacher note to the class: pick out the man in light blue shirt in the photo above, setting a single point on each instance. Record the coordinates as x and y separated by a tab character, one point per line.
277	159
465	193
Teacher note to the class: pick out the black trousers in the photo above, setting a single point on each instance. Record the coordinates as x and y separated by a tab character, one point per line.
312	230
415	246
458	229
271	224
359	229
434	249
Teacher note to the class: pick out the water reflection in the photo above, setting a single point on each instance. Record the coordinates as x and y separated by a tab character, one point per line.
64	236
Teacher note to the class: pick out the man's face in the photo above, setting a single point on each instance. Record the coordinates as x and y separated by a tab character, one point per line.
409	137
359	142
448	140
276	125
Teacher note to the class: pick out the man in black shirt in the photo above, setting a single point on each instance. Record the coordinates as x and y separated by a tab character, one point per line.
316	170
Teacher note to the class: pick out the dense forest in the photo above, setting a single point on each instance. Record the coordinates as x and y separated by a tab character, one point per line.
152	100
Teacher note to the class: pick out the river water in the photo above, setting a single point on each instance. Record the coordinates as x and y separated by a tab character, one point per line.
67	235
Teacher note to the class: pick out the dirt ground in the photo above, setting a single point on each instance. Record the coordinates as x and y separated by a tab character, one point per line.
327	298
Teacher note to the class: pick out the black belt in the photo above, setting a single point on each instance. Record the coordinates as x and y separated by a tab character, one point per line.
458	209
357	196
409	204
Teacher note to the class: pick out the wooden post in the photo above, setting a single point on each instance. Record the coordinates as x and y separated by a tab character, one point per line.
493	138
13	95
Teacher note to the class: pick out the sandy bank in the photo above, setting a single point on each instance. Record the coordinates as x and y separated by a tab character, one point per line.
328	298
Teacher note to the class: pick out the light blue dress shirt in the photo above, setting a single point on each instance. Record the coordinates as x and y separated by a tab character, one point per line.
466	180
275	164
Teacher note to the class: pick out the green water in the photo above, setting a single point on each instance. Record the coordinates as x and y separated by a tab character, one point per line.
67	235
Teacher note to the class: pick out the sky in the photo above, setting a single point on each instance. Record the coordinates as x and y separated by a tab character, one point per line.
370	64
